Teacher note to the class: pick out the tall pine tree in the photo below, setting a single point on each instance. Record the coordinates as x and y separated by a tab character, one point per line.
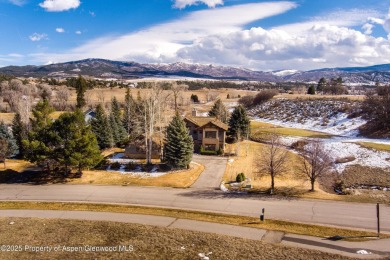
179	145
239	123
39	146
102	128
81	88
118	130
219	111
19	131
129	115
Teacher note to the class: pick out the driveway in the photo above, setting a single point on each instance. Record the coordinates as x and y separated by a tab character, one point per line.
211	177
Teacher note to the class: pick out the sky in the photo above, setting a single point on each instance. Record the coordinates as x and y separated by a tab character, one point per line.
258	35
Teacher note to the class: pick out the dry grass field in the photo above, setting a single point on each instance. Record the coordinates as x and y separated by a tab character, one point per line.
147	242
375	146
292	183
306	96
259	129
176	179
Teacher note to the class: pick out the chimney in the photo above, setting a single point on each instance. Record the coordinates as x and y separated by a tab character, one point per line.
194	112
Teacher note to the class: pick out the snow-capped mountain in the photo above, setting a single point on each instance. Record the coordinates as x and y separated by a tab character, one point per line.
118	69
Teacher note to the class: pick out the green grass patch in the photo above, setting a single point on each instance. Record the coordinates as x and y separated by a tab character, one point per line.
269	224
375	146
260	129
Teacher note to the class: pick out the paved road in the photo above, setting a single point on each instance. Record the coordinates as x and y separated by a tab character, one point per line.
341	214
376	247
212	175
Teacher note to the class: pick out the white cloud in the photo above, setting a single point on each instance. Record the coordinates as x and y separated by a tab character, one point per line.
386	23
209	37
367	27
276	49
60	30
184	3
161	42
59	5
36	37
92	14
341	18
17	2
77	32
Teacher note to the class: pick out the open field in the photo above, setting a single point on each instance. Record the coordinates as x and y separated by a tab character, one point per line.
375	146
147	242
306	96
269	224
259	129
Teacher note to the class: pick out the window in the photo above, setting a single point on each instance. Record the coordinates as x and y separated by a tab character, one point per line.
209	147
211	134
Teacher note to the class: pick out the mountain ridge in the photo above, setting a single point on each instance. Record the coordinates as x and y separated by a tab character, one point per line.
102	68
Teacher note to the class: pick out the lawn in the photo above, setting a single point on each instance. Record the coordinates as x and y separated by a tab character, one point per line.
375	146
292	183
260	129
269	224
143	242
177	179
19	171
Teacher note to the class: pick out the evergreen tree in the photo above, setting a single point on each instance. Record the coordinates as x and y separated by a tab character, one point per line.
179	145
102	128
118	130
19	131
77	144
5	134
194	98
311	90
322	85
39	145
81	88
129	112
239	123
219	111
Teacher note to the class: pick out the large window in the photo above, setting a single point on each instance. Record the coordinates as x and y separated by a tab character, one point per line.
209	147
211	134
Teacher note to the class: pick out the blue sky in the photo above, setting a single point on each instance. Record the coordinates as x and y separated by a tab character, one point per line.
261	35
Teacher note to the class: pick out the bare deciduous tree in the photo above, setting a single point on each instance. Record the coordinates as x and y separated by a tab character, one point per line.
62	97
273	159
3	150
177	91
315	161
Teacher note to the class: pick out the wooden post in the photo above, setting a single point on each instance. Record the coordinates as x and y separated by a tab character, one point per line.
378	219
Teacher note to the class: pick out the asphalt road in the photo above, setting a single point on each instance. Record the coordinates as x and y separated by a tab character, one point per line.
354	215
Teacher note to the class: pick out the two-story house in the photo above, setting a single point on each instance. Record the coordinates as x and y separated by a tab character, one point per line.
208	132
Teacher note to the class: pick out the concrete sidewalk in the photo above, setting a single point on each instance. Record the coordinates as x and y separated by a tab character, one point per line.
375	248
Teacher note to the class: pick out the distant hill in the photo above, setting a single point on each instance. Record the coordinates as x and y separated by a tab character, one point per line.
101	68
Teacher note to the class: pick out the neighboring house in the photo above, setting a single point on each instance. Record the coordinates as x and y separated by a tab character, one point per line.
89	115
208	132
136	150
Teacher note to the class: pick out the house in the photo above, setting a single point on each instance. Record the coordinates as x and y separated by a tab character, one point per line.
208	132
136	150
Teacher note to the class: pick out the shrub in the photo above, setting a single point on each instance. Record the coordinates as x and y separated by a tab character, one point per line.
115	166
263	96
299	145
220	151
246	101
240	177
131	166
